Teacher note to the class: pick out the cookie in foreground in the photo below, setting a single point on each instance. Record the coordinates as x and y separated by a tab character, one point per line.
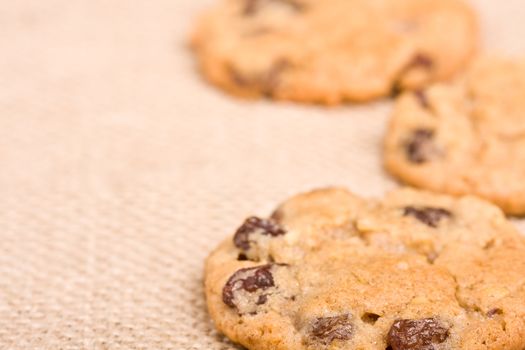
333	51
465	137
330	270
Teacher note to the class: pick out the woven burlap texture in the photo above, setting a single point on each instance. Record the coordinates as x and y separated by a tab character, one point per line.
121	169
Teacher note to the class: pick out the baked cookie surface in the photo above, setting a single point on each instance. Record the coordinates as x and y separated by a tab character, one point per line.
465	137
330	270
332	51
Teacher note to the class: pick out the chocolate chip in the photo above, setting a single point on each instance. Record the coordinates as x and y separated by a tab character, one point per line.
266	227
421	60
249	280
422	98
328	329
494	312
420	334
428	215
420	148
252	7
242	257
396	90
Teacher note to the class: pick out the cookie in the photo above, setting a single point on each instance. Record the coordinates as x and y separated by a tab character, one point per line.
465	137
332	51
330	270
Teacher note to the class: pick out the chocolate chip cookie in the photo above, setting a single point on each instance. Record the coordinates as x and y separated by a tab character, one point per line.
330	270
465	137
332	51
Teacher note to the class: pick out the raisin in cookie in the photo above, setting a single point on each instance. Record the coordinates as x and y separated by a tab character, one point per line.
465	137
333	50
330	270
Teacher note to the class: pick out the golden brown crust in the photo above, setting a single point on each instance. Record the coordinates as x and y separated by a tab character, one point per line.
478	135
347	269
292	49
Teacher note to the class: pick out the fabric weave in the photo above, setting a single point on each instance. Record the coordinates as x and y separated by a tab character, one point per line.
122	169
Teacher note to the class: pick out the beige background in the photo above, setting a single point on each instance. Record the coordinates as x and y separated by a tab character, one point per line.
120	169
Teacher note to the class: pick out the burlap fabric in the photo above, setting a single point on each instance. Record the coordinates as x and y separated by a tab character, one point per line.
121	169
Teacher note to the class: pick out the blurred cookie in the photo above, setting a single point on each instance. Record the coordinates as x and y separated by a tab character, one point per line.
466	137
332	51
329	270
